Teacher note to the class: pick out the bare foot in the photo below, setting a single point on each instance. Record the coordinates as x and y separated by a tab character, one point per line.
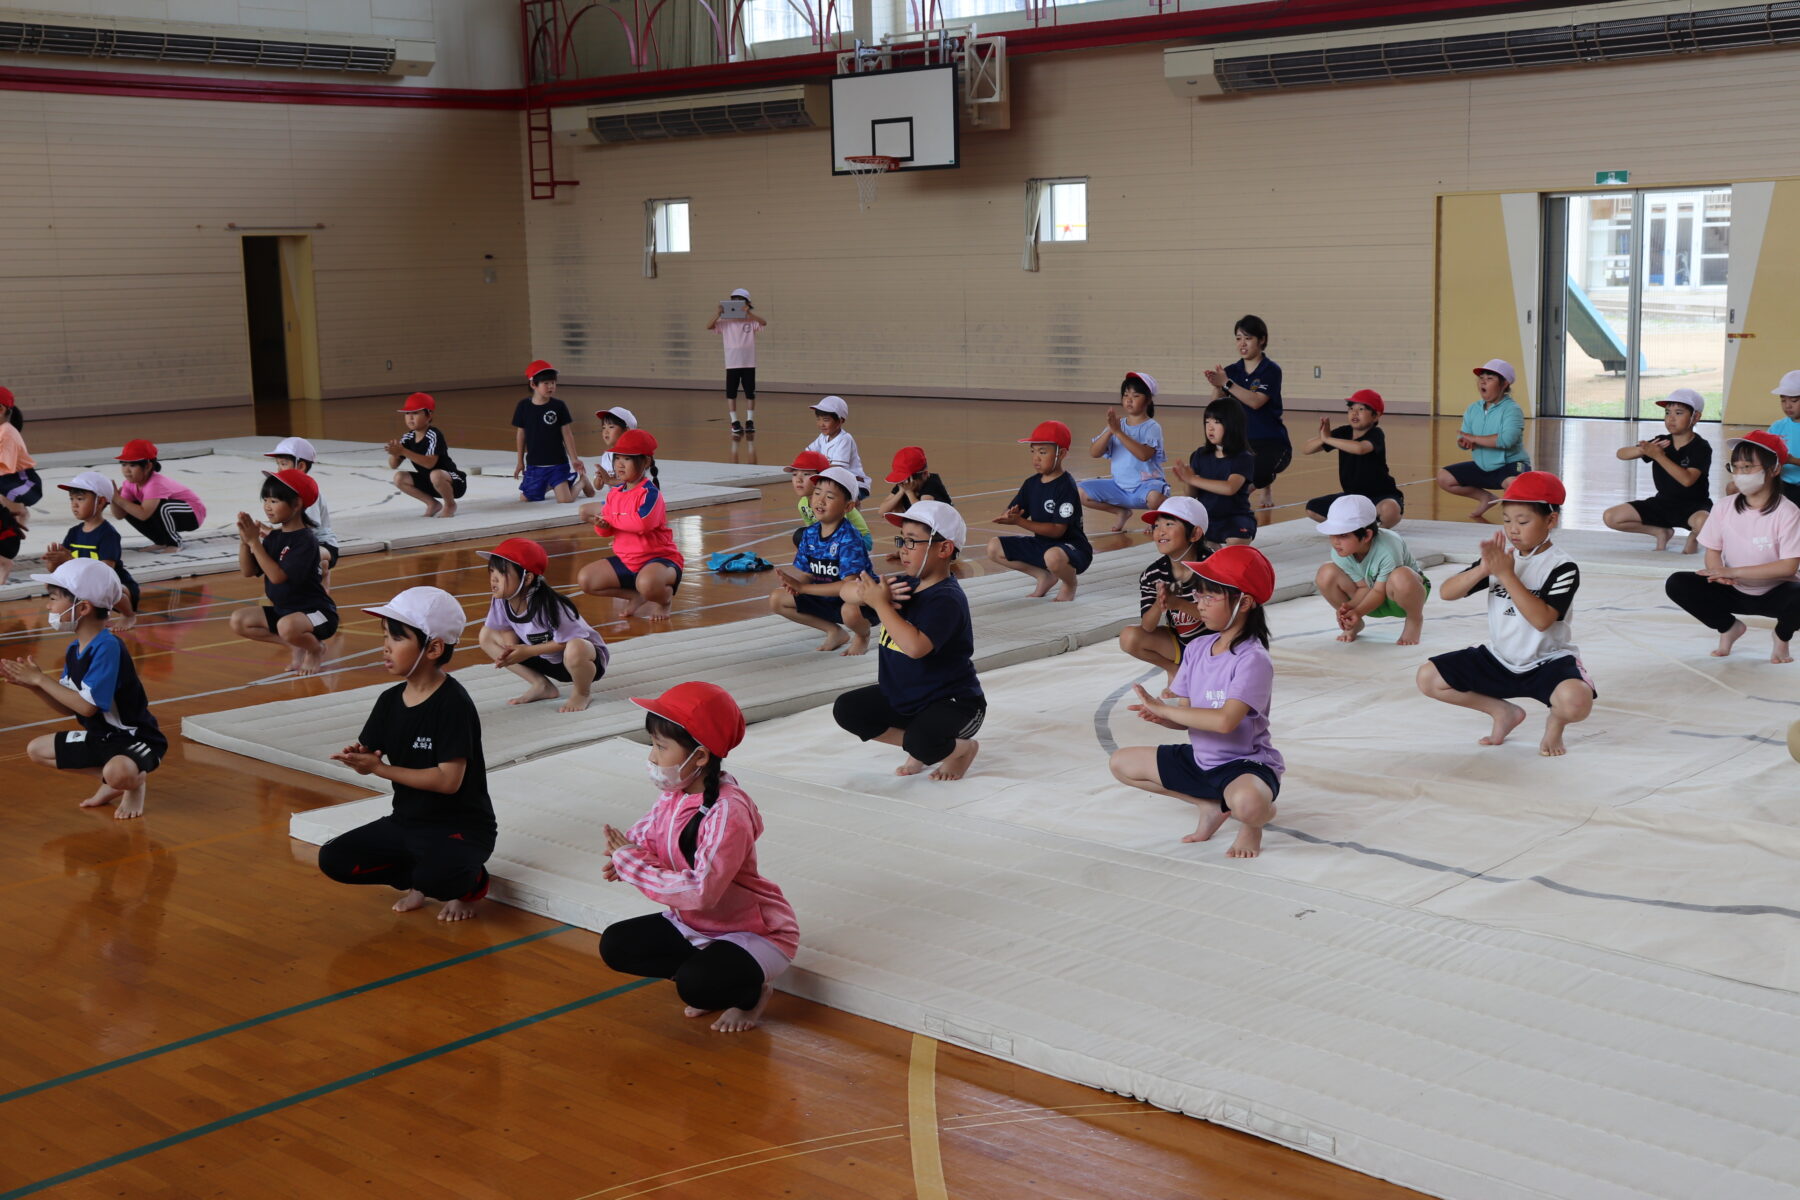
124	621
449	509
1248	844
308	662
1480	513
409	902
1119	525
1209	825
690	1012
1552	745
1352	633
456	910
911	766
1778	652
834	639
859	644
1410	631
1729	638
737	1020
652	612
1690	544
163	549
1065	592
130	805
577	702
1662	538
1504	724
543	689
101	798
431	508
957	764
1043	587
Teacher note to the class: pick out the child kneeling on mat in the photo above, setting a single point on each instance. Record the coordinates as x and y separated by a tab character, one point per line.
1532	650
927	699
1371	572
300	613
436	842
1221	697
728	932
119	741
1053	549
644	568
1168	615
533	631
829	552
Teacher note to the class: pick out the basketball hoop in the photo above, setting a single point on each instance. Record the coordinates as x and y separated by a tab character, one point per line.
868	169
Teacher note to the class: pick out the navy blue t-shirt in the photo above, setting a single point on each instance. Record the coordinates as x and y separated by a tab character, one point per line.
297	554
1207	465
543	425
1262	424
102	543
941	613
1056	502
104	676
441	728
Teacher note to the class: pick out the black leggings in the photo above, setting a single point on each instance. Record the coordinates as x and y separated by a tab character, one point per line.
723	975
168	521
442	862
1718	605
929	734
737	375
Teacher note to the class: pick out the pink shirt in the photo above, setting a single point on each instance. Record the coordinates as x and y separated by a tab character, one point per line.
1752	538
160	487
638	524
740	342
13	456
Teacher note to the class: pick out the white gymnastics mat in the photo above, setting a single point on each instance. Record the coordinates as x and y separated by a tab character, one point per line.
1464	1060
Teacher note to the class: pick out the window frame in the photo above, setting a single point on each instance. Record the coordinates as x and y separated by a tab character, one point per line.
659	215
1046	232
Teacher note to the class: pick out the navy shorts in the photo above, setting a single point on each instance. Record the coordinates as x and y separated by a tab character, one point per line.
1470	475
1177	771
324	623
830	608
1030	549
539	482
80	750
1319	506
628	577
1477	670
1242	526
1272	458
1669	513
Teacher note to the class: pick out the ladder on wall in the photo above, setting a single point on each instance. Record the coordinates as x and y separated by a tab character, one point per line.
540	141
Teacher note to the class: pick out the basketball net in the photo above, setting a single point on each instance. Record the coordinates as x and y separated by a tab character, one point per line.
868	170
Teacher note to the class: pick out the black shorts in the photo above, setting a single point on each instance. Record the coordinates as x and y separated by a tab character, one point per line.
1219	530
459	483
1177	771
1477	670
324	622
628	578
830	608
81	750
558	671
1030	550
1790	490
1272	458
1669	512
1319	506
1469	475
22	488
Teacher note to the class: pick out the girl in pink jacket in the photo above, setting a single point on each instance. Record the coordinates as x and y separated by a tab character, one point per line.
644	568
728	932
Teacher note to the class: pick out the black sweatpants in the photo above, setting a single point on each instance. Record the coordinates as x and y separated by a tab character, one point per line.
1718	605
930	734
442	862
723	975
168	521
737	375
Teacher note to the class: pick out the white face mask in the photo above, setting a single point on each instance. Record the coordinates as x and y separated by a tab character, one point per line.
669	779
1750	481
63	621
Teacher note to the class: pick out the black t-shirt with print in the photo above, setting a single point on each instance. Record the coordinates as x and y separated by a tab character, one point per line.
442	728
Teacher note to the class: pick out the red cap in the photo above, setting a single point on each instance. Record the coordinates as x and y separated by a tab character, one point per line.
1053	432
303	484
1771	442
419	402
634	442
808	460
537	367
1368	398
908	461
1240	567
137	450
6	398
523	553
1535	487
706	710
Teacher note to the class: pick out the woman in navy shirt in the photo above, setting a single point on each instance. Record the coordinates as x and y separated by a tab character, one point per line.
1255	382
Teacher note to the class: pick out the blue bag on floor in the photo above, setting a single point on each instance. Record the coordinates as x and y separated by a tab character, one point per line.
738	561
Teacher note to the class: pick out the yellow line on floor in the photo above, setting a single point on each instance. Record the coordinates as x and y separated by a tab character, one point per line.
922	1119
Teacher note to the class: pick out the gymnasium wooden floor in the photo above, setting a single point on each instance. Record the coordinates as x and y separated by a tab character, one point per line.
194	1011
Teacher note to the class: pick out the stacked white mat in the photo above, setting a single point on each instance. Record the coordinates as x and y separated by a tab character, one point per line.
1466	1061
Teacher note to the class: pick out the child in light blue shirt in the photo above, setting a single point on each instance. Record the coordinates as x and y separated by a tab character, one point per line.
1134	444
1788	430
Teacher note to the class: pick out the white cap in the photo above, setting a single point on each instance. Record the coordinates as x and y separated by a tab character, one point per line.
1696	401
844	478
936	516
86	579
624	414
1789	385
740	294
432	611
1348	514
90	481
1500	367
1182	508
835	406
1148	379
294	447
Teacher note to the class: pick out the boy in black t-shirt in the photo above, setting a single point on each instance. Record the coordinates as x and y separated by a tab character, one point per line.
913	481
429	474
1053	550
926	699
119	741
1679	466
93	536
1362	460
300	613
545	439
436	842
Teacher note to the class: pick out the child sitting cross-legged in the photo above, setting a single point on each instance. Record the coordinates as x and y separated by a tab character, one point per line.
829	552
1371	572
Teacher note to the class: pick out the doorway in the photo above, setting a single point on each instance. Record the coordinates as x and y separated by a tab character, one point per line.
1634	299
284	346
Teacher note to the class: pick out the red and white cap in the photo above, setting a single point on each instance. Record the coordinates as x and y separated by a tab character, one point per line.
908	461
1772	442
1182	508
1241	567
86	579
1498	366
419	402
936	516
303	485
1348	514
90	481
1053	432
6	398
1695	400
1535	487
524	554
634	442
843	477
432	611
138	450
1145	378
536	367
706	710
1369	398
1789	385
294	447
835	405
807	462
622	415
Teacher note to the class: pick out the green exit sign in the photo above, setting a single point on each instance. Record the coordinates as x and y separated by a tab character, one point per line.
1611	178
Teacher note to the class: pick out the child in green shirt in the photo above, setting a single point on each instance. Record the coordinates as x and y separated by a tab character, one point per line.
1371	572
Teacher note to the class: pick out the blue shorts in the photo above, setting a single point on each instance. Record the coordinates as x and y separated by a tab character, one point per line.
540	481
1477	670
628	578
1030	549
1107	491
1470	475
1177	771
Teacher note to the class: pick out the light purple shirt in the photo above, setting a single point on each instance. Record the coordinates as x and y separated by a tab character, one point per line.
1208	680
568	629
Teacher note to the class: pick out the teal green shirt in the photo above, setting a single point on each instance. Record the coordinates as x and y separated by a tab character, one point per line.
1387	551
1504	419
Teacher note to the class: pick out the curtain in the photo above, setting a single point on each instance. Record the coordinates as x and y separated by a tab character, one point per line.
649	239
1035	191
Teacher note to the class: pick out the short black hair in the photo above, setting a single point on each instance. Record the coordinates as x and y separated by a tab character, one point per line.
100	610
401	629
1371	530
155	463
1193	533
1252	326
1135	383
544	377
1230	414
607	418
1537	506
274	489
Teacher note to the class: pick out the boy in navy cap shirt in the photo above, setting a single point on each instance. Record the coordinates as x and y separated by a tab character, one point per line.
1053	549
829	552
545	440
1362	460
427	474
1679	465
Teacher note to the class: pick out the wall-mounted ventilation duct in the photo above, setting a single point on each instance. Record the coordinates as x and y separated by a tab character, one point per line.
1565	37
802	106
129	39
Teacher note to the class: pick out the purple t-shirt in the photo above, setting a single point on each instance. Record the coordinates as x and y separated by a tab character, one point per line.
1208	680
568	629
160	487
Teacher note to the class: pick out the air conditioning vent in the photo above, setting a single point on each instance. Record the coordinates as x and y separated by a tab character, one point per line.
761	111
118	38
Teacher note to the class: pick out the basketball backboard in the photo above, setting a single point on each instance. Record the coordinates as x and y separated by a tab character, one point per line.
909	114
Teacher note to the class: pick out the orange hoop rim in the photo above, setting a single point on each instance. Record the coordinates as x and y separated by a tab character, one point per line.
878	162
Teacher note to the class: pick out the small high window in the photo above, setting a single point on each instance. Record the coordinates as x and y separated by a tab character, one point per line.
670	218
1063	215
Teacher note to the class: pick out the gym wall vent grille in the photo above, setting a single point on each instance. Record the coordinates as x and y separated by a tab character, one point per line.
207	48
675	122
